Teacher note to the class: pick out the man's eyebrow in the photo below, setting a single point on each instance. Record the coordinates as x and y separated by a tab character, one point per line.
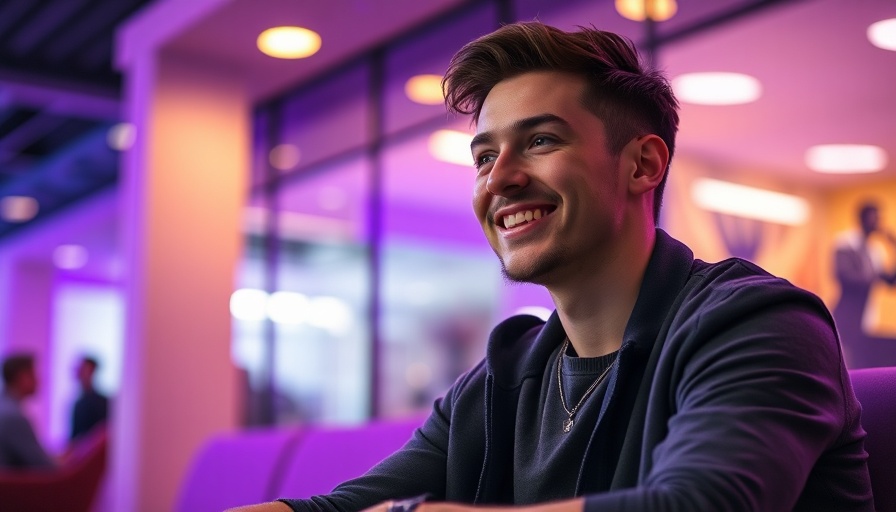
519	125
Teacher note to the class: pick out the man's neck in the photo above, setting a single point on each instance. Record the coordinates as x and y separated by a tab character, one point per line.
595	308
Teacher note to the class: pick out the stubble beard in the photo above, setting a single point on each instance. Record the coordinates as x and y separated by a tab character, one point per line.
535	271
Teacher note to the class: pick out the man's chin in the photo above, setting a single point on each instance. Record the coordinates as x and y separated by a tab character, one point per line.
531	274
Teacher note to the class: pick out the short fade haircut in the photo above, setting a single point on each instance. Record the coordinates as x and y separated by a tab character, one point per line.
629	99
15	364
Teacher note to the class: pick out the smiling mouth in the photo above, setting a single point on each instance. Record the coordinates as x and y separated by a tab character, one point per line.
523	217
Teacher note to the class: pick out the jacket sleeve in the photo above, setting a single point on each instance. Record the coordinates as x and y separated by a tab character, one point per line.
758	392
419	467
24	446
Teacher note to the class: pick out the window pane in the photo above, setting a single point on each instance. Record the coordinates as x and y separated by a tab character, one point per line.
318	311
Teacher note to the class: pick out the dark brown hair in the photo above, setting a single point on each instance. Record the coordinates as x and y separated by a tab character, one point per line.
14	364
630	100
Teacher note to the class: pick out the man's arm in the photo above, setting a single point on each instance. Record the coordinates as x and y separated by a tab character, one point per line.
273	506
890	277
574	505
22	440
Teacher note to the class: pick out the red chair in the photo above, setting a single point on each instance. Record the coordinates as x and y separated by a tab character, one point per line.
876	390
73	487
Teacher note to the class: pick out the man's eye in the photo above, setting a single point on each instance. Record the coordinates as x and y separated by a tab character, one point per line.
482	160
541	140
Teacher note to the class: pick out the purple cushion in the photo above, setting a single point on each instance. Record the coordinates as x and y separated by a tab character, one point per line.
328	456
876	391
235	469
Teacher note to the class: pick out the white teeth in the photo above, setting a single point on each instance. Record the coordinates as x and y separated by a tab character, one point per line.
520	217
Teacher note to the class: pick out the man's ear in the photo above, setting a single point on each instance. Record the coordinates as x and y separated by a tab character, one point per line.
651	160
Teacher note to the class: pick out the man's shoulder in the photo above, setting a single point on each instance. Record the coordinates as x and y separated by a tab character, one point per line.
738	284
738	274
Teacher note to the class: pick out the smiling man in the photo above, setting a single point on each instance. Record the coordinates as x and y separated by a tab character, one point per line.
661	382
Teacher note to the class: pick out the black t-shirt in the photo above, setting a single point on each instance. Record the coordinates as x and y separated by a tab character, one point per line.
541	470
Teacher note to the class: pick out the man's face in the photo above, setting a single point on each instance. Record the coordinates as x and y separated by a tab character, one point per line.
547	193
84	373
26	382
870	220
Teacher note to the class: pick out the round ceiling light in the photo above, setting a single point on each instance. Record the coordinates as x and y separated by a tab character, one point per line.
846	158
639	10
289	42
716	88
284	157
425	89
121	136
451	146
883	34
18	208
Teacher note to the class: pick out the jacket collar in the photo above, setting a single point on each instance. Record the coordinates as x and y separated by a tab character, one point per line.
520	346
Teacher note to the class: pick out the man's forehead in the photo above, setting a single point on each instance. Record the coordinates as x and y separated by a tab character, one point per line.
530	94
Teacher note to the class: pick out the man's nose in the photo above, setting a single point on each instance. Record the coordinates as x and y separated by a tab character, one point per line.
508	175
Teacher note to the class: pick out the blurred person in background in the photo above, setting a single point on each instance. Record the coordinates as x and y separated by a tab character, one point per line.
91	408
859	265
19	447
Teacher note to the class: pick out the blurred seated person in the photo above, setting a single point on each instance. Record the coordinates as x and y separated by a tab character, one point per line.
91	408
19	447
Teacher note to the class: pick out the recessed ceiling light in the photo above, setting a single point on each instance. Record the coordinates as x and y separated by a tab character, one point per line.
716	88
284	157
451	146
18	208
638	10
289	42
425	89
846	158
121	136
749	202
70	256
883	34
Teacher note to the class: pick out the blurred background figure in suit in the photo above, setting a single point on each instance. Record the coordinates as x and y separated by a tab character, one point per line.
859	265
91	408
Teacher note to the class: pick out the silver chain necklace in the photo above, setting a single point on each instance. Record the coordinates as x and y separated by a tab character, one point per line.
568	422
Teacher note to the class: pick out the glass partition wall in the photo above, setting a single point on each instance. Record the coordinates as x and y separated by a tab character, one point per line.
367	287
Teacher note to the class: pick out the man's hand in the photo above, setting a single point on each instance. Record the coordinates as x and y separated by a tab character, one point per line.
574	505
273	506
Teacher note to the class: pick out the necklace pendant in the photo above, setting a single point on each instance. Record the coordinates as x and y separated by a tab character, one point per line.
567	425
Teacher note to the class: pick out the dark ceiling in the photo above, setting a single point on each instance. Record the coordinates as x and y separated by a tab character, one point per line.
59	95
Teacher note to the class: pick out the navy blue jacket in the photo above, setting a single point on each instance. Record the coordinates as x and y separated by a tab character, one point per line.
730	395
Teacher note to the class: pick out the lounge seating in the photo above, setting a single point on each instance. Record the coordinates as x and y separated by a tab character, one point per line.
265	464
876	390
72	488
237	469
340	454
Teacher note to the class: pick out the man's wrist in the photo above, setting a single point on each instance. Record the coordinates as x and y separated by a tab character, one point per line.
407	505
